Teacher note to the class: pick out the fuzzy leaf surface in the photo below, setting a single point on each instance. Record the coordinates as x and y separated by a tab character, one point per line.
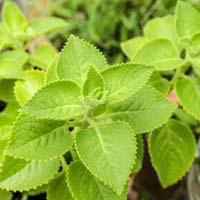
115	146
37	139
20	175
122	81
78	175
75	59
172	150
59	100
159	53
144	111
58	190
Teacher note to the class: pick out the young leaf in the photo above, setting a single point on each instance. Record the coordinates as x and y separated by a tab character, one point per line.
43	56
10	69
115	147
161	27
187	20
76	58
13	18
78	175
26	88
6	90
58	190
42	26
129	47
20	175
144	111
40	139
123	80
159	53
187	91
94	84
172	150
62	101
159	83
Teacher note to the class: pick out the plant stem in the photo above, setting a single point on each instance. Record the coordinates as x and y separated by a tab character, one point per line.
25	197
64	163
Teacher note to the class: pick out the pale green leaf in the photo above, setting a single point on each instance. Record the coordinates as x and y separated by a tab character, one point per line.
13	18
161	27
129	47
41	26
187	20
36	139
172	150
75	59
115	147
10	69
26	88
123	80
6	90
43	56
94	84
16	55
187	91
51	74
78	176
159	53
159	83
20	175
8	115
5	195
58	190
58	100
144	111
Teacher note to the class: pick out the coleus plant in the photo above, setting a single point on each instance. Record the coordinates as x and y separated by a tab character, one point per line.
88	114
171	45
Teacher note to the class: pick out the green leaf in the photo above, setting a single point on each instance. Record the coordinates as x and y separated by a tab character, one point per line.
8	115
172	150
41	26
144	111
59	100
4	139
123	80
75	59
159	83
13	18
58	190
5	195
94	84
115	147
20	175
161	27
159	53
10	69
16	55
43	56
187	20
139	155
130	47
6	90
187	91
26	88
78	176
36	139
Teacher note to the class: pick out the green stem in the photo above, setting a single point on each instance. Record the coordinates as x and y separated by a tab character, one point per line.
25	197
64	163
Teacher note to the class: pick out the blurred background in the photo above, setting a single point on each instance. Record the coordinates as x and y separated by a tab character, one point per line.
105	23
